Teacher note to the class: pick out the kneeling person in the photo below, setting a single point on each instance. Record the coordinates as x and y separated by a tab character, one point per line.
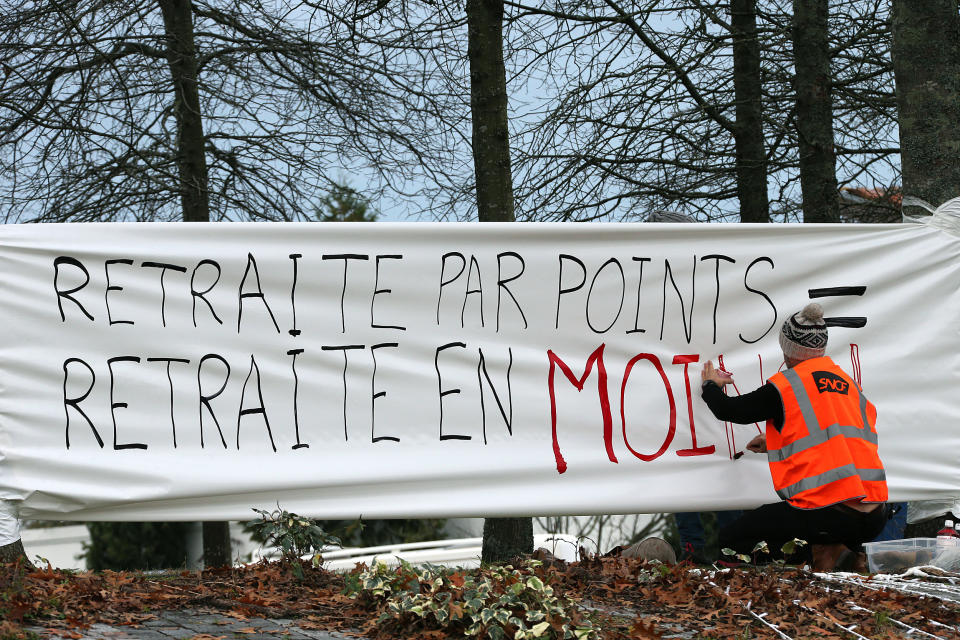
821	444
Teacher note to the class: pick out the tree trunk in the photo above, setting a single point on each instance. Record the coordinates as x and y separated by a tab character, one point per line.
488	106
191	158
13	552
926	66
506	538
751	160
503	538
818	165
216	544
194	193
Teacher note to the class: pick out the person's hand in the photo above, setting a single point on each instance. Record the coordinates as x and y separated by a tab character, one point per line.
758	444
714	375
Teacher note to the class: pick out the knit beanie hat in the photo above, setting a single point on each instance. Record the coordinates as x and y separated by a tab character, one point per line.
804	334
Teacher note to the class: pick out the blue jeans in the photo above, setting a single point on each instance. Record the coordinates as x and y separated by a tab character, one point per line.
893	530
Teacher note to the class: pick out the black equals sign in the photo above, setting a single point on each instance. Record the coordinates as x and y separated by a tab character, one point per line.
854	322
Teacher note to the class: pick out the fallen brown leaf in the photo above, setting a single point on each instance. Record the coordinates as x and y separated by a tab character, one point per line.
644	631
236	615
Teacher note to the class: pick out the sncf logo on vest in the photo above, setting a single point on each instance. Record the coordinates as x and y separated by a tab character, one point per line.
828	382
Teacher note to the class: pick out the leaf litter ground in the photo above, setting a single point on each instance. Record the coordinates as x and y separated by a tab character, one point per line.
628	598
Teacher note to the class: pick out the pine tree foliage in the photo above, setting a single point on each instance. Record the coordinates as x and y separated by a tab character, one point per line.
345	204
136	545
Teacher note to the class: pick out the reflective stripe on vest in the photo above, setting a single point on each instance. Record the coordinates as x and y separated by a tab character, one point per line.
817	435
846	471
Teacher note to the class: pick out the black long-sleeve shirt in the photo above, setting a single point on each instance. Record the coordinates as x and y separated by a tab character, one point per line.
759	405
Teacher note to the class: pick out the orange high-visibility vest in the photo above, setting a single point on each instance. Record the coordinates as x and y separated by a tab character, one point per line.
827	450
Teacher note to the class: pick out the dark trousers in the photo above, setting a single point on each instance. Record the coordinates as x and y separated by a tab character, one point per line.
779	523
690	527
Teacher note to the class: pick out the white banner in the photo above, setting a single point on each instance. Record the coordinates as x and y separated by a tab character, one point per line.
193	371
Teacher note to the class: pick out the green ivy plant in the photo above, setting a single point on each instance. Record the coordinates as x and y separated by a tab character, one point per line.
295	536
496	602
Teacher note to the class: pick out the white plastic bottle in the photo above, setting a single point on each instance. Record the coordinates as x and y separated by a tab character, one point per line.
948	536
948	548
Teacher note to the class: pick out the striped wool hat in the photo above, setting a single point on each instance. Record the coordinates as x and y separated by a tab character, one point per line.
804	334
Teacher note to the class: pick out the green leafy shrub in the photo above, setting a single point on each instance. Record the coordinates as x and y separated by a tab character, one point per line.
295	536
124	546
495	603
372	533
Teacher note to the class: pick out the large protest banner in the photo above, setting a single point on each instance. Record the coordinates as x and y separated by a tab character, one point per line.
175	371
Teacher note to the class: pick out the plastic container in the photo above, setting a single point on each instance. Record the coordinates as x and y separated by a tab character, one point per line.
896	556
